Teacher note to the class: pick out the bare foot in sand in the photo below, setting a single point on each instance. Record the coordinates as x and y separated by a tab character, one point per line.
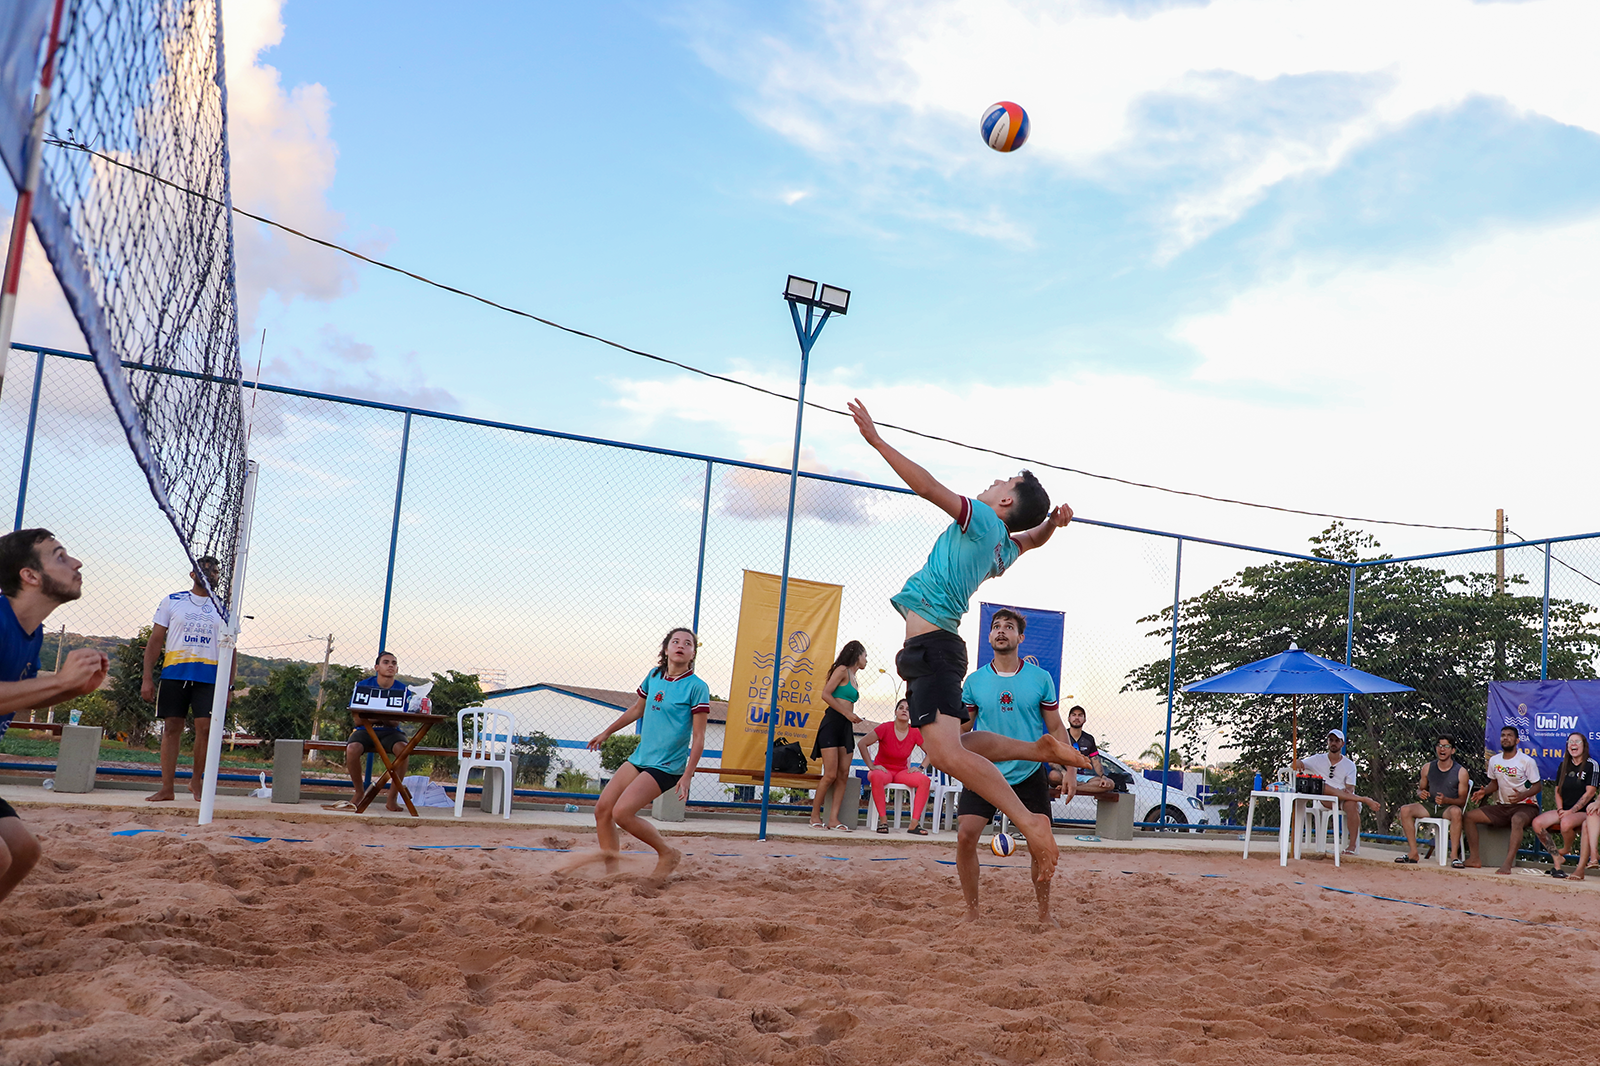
1042	849
667	863
1049	922
589	858
1065	754
160	797
971	915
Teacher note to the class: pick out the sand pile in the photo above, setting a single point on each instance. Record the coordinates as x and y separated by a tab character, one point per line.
191	946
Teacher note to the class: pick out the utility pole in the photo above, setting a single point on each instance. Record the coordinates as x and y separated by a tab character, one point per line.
1500	556
322	677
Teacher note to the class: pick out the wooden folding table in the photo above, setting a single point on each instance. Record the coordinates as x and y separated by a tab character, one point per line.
370	720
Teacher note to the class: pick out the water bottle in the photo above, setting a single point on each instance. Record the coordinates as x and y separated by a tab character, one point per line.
571	808
1258	782
49	784
74	717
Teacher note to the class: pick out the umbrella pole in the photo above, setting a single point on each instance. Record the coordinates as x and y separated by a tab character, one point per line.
1294	730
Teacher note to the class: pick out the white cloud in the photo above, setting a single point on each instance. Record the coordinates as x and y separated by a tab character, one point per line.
898	86
284	158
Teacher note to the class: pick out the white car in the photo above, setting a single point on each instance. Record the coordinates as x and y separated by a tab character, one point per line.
1183	808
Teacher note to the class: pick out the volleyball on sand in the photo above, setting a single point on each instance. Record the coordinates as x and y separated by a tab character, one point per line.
1005	126
1003	844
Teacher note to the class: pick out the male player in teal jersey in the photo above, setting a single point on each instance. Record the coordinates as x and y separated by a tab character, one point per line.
1014	699
987	534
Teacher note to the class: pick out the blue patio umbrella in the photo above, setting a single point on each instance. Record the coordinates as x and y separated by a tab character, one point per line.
1296	673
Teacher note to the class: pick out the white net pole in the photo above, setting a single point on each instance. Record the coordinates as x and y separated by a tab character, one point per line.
225	646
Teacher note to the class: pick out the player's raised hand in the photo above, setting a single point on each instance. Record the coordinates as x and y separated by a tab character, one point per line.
84	669
1061	516
869	431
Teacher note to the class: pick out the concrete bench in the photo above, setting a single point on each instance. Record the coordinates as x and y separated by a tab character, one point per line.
1113	816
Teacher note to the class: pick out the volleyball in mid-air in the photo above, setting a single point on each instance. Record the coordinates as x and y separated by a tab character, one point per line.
1005	126
1002	844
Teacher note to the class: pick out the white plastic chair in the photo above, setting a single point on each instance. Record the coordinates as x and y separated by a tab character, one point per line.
901	794
484	740
946	791
1441	837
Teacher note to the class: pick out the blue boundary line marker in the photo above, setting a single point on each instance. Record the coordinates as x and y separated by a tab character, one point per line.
1442	907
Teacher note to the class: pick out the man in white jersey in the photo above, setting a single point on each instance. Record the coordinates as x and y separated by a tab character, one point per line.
1338	775
183	636
1514	782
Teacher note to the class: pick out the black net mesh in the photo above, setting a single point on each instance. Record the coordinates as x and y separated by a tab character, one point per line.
137	161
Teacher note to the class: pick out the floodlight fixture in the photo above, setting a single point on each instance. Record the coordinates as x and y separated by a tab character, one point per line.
802	289
834	299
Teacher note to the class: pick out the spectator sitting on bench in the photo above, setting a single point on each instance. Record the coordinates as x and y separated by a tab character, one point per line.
1339	781
1514	780
1575	789
1083	740
383	691
1442	788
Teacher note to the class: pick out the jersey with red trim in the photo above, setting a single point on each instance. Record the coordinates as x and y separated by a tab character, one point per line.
1012	705
670	704
972	549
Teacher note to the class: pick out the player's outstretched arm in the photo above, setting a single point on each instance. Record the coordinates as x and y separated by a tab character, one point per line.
627	718
916	478
81	673
1036	537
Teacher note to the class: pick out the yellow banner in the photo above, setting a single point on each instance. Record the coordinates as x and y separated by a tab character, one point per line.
811	629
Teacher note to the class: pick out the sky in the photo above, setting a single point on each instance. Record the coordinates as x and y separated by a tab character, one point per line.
1334	255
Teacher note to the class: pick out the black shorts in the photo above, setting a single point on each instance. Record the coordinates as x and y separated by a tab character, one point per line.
1034	792
8	811
933	665
667	781
834	732
389	735
178	699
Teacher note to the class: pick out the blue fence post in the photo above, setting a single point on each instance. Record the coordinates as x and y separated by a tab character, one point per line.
1349	648
1172	679
394	533
807	337
1544	641
27	446
700	566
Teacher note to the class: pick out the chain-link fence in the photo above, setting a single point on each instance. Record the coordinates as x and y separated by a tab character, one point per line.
551	566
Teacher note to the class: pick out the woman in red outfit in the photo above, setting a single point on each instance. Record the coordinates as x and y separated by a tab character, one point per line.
895	741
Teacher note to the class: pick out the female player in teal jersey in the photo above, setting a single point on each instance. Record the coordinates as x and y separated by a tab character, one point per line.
674	704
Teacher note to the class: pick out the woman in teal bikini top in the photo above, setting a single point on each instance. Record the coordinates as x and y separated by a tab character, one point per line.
836	738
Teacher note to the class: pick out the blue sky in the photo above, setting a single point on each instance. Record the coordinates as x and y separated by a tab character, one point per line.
1338	255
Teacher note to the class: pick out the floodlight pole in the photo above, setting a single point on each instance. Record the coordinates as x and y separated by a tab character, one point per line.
31	165
807	336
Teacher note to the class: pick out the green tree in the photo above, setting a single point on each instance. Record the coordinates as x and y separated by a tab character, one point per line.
1446	635
132	716
282	707
616	749
451	692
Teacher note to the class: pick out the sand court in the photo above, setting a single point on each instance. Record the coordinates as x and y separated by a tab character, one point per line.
142	938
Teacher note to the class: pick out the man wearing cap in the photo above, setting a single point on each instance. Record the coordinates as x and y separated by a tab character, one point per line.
1339	780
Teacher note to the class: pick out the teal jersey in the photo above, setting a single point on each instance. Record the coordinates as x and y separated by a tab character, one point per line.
670	705
972	549
1012	706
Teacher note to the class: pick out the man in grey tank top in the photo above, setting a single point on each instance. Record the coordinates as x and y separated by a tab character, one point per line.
1442	788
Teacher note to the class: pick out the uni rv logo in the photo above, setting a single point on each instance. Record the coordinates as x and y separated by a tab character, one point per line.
1556	721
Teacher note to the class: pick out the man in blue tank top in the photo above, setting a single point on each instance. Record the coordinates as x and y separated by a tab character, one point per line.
986	535
36	576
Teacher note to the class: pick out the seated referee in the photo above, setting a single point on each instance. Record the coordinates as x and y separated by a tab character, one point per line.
383	691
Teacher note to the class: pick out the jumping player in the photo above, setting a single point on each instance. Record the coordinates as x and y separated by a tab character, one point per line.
674	704
1016	699
36	576
987	534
